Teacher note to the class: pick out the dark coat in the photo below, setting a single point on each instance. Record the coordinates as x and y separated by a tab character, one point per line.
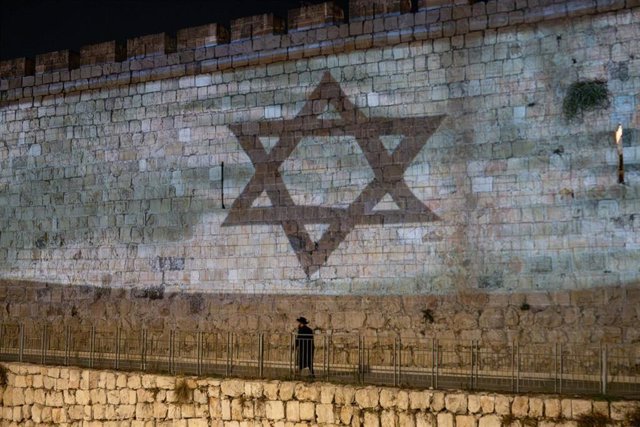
305	348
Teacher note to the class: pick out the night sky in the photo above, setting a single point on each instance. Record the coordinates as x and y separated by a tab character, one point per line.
30	27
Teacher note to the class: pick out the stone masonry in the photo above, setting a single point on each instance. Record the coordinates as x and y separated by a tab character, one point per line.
401	161
38	395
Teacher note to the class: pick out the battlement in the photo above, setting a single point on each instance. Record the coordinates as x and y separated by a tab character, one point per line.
308	31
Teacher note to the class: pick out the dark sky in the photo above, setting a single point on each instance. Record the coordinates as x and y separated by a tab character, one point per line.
29	27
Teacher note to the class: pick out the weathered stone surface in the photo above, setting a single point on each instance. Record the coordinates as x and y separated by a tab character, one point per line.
324	413
490	421
420	400
456	403
520	406
232	388
552	408
367	397
502	405
445	419
307	392
307	411
275	410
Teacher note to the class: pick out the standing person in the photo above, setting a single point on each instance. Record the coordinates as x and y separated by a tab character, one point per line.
304	346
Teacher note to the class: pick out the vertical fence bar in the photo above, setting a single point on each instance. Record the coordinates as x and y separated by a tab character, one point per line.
172	355
360	358
433	362
227	369
143	349
21	343
518	367
67	345
92	345
325	358
603	369
43	344
292	350
437	363
328	351
555	368
395	362
399	360
513	366
561	367
472	365
199	353
118	333
261	355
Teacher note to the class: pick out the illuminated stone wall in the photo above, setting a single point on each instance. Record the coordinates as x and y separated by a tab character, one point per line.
62	395
401	152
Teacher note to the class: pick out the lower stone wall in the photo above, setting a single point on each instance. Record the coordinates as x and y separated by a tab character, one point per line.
43	395
605	314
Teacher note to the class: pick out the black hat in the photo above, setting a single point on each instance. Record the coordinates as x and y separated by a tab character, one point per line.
302	320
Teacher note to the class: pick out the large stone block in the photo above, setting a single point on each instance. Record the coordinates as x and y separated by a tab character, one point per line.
255	26
315	15
150	45
201	36
17	67
56	61
363	9
111	51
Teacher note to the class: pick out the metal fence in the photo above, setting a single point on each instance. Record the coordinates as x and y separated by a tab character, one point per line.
608	369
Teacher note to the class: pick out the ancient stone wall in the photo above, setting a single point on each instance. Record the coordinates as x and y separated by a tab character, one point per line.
36	394
399	154
606	314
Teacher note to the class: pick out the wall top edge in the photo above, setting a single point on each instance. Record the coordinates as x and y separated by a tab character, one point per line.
311	31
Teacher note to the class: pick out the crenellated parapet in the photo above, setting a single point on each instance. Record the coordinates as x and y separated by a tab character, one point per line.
308	31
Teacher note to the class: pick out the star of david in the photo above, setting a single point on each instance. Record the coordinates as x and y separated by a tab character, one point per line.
388	169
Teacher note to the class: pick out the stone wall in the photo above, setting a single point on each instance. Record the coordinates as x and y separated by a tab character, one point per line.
36	395
597	315
400	153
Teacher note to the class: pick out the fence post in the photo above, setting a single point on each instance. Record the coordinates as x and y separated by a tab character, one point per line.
603	370
360	359
555	368
261	355
399	360
292	350
325	360
437	359
118	333
227	369
172	345
67	345
561	366
395	362
21	342
518	367
472	365
199	353
43	345
92	345
513	366
143	349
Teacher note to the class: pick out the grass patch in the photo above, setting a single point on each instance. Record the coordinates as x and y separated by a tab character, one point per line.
585	96
182	391
4	377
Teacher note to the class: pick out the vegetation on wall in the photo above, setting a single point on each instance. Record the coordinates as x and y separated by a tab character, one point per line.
182	391
3	376
584	96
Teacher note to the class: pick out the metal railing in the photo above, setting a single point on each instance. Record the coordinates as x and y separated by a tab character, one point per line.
608	369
